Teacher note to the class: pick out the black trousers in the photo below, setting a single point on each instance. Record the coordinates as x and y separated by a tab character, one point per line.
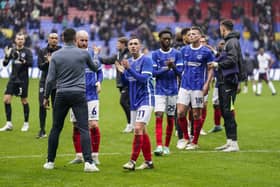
227	95
63	102
125	103
42	109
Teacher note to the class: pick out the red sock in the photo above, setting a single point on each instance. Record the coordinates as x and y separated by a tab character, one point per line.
95	139
146	148
182	121
203	115
197	127
217	116
77	140
136	146
158	131
169	129
190	118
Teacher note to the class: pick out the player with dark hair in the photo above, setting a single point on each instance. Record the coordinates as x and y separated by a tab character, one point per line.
181	143
67	71
44	58
168	66
215	97
229	77
93	88
138	70
21	59
122	53
195	82
184	34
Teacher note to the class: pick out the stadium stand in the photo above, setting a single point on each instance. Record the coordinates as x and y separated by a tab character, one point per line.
257	21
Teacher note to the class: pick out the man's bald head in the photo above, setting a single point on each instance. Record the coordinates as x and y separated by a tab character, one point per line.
82	39
53	40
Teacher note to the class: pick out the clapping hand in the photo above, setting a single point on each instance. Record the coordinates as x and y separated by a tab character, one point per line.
125	64
98	87
119	67
7	51
170	63
46	103
96	49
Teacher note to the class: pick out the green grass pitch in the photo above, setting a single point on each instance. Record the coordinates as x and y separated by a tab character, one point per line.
257	164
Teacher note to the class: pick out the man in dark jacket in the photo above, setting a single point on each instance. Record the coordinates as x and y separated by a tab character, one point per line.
229	72
44	57
123	53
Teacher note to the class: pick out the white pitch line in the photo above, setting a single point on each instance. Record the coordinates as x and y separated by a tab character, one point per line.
116	153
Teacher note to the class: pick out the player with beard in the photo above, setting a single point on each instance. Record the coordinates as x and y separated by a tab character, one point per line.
93	88
44	58
230	73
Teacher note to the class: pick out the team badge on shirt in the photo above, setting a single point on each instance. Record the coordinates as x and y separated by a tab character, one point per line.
199	57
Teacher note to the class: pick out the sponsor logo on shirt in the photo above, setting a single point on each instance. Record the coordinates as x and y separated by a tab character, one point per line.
195	64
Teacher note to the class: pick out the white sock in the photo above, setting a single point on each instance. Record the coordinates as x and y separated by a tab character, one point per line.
254	88
234	143
259	90
271	86
229	141
79	155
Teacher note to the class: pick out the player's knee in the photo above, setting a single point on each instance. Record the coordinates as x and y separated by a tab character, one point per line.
159	114
180	113
216	106
7	100
227	114
93	124
196	115
24	101
138	129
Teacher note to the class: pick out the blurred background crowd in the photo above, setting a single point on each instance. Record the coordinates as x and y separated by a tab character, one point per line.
257	20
